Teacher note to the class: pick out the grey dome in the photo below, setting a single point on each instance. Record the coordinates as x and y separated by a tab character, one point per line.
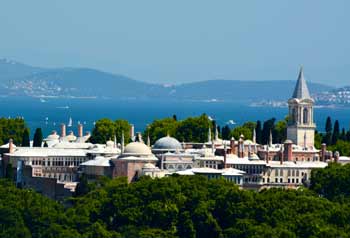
167	143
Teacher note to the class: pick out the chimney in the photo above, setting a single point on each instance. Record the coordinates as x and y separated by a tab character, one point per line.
232	145
63	130
80	130
288	150
241	147
11	147
336	157
267	154
225	156
323	152
132	131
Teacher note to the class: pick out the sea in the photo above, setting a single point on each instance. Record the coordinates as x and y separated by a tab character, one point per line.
49	113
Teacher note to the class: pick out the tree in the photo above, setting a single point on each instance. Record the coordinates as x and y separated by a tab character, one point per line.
328	127
225	132
25	138
38	138
336	132
160	128
241	130
280	132
327	138
258	132
106	129
194	129
268	127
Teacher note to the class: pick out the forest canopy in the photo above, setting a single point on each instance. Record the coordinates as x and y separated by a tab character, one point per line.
181	206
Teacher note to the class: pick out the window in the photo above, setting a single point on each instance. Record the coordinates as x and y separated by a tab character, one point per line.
276	180
305	116
281	180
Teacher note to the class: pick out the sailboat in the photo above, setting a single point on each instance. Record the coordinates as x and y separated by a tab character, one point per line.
70	122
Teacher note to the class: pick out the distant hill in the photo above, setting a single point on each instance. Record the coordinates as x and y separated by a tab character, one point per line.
242	90
17	79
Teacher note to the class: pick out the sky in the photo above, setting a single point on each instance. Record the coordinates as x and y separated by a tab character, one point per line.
163	41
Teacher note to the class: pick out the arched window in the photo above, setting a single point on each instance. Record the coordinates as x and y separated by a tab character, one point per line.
305	116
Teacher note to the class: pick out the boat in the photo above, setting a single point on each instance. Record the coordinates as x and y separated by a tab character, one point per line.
231	122
70	122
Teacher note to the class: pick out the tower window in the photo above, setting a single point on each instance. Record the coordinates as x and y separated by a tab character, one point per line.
305	116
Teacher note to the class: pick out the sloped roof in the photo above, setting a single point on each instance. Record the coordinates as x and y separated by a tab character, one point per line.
301	91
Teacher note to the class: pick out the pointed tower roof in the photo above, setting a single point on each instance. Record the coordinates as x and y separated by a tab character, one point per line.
301	90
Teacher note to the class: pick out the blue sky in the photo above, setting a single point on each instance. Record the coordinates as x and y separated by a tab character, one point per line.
184	40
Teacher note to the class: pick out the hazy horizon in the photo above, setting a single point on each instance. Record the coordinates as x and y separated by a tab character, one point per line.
181	42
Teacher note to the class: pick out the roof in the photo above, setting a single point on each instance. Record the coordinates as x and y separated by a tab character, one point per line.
301	91
299	164
232	172
98	161
137	148
143	158
46	152
167	143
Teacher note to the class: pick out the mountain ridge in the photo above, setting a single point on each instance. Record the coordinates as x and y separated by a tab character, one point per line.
18	79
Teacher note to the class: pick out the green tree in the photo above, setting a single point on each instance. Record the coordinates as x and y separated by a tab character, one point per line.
106	129
258	132
38	138
328	136
225	132
268	128
240	130
194	129
25	138
280	132
336	132
160	128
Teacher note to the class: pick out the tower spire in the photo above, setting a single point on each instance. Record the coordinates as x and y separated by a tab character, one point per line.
301	90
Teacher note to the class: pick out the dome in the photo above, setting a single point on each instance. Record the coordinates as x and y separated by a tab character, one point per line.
137	148
167	143
53	136
110	143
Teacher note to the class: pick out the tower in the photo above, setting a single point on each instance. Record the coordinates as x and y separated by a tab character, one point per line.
301	126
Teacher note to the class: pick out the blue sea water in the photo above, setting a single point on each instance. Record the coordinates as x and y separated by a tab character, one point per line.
49	114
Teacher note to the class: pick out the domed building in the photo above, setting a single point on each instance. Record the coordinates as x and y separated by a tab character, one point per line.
132	160
166	144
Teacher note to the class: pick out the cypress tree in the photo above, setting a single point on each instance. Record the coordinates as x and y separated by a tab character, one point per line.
328	125
343	134
225	132
268	127
336	132
328	136
258	132
25	138
38	138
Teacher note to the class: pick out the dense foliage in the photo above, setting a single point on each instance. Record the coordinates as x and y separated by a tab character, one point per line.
178	206
11	129
193	129
106	129
336	139
333	182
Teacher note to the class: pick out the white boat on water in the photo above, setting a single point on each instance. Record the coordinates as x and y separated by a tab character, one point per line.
70	122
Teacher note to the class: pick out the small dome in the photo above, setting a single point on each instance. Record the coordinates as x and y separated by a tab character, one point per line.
137	148
288	142
110	143
53	136
167	143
